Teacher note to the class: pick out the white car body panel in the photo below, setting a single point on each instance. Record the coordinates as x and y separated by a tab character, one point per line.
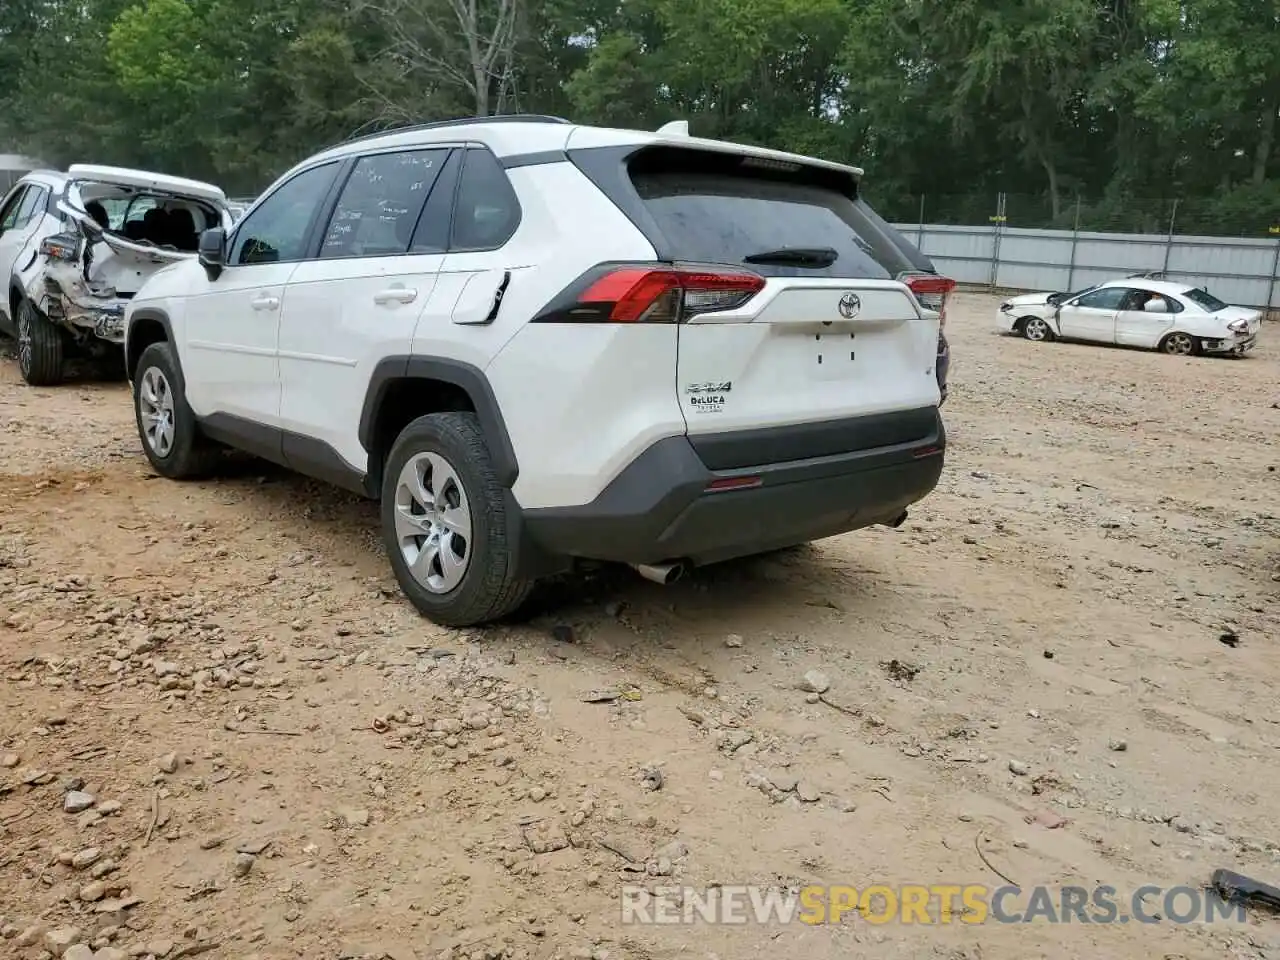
147	181
94	301
1136	328
599	404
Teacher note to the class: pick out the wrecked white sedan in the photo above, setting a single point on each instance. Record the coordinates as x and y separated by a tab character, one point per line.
1136	312
76	246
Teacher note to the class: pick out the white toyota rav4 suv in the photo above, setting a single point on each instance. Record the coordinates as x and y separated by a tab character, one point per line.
539	343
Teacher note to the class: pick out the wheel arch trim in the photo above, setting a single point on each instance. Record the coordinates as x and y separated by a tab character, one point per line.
153	315
466	377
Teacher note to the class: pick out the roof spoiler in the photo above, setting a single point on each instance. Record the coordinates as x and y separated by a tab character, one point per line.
676	128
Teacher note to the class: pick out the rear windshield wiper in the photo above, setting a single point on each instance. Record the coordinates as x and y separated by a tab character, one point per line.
795	256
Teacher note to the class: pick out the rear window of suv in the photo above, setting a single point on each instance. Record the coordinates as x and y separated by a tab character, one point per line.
722	209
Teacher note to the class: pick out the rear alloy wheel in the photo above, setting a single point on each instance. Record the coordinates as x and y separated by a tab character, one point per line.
1036	330
444	523
39	347
1180	345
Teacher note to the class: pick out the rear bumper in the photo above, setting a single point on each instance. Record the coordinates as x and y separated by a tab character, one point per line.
660	509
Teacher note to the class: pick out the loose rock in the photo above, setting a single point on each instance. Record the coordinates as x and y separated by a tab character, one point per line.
1018	768
77	801
168	763
782	780
815	681
60	939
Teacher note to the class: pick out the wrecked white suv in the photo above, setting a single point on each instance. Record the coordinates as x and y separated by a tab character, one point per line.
76	246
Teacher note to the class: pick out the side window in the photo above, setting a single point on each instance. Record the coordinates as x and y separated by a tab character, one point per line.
9	215
432	233
380	204
1172	305
32	205
487	212
1108	298
277	231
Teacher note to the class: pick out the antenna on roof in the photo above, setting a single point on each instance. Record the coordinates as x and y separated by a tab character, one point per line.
679	128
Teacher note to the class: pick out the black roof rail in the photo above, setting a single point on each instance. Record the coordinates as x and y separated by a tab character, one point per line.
458	122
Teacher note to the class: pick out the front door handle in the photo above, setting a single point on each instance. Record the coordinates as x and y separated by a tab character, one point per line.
396	295
266	303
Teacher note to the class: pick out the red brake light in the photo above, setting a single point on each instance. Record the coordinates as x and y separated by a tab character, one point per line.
932	291
634	294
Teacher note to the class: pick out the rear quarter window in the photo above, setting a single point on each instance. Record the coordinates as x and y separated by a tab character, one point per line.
724	215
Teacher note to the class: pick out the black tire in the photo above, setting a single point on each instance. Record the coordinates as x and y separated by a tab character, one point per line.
489	588
40	346
189	455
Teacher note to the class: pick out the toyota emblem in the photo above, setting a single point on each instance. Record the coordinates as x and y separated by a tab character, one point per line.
850	304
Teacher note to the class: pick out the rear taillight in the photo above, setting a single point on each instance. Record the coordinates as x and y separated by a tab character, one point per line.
932	291
633	293
62	246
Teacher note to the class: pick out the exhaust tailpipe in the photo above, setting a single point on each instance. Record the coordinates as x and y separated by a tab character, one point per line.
897	521
662	573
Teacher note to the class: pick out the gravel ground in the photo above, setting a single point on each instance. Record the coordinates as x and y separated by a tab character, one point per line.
1061	670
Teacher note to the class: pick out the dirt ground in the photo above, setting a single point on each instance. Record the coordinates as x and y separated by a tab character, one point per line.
283	760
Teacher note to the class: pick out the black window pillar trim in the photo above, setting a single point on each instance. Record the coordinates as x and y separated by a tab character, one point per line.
606	167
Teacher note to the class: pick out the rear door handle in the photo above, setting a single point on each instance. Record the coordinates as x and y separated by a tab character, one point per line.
266	303
396	295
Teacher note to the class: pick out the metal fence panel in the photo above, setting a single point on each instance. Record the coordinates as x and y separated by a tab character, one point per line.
1238	270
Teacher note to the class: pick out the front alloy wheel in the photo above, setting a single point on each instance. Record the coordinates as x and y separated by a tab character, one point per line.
433	522
1036	330
156	411
167	429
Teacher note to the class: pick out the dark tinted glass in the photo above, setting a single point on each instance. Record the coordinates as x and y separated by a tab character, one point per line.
277	230
487	212
1107	298
380	204
725	217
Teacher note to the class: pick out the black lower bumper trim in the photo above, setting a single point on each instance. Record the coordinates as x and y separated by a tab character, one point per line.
659	508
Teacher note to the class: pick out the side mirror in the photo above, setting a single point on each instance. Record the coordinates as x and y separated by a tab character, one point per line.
1155	306
212	251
